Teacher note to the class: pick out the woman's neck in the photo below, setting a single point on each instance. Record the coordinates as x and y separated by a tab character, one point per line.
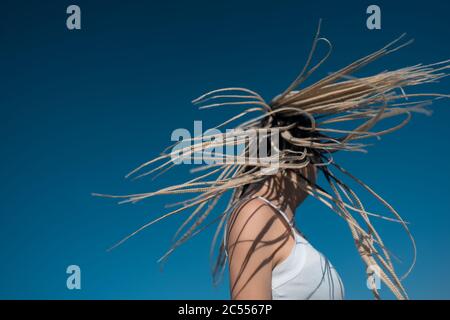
285	191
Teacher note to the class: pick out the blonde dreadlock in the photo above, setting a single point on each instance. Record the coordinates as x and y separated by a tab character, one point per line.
337	98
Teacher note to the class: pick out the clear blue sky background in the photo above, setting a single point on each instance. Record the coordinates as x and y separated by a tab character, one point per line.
79	109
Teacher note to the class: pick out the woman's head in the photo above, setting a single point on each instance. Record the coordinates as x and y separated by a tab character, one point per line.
286	181
287	184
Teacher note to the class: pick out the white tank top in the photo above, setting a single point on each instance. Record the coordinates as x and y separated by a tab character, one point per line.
305	273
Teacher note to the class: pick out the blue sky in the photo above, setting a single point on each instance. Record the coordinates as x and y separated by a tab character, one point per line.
79	109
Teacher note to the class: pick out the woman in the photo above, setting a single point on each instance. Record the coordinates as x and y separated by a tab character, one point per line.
267	255
269	258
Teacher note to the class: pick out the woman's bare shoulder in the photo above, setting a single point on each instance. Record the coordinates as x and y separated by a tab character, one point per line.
255	218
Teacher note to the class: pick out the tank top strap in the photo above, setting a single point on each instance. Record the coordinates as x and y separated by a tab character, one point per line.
290	222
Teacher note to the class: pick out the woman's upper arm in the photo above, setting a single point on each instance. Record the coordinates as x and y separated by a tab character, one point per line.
251	248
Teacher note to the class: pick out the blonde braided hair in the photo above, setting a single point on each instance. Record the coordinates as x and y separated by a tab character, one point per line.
337	98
